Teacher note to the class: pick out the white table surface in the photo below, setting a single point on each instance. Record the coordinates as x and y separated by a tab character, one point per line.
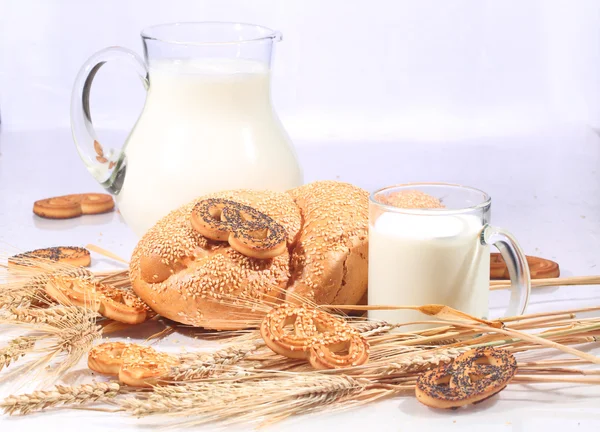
545	189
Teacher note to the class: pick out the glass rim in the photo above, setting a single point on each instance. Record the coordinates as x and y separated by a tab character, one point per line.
487	200
146	33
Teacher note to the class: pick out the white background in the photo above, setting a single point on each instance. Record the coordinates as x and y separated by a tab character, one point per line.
382	69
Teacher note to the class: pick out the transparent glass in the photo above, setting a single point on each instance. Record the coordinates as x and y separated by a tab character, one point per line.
207	124
438	255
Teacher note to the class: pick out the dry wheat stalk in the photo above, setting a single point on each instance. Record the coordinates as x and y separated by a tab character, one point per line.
553	362
396	359
16	349
69	327
389	358
372	328
22	295
61	342
549	314
548	282
556	379
109	326
414	362
556	370
52	316
201	365
246	400
60	396
9	299
79	338
27	286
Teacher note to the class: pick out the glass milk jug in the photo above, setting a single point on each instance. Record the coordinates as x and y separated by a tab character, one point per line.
207	124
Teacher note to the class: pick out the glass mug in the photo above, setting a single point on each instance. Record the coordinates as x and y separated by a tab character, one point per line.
208	123
438	255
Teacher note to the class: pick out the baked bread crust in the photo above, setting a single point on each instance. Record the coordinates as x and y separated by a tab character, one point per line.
184	276
330	261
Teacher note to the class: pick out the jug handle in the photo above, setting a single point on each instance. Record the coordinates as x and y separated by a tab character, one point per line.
106	165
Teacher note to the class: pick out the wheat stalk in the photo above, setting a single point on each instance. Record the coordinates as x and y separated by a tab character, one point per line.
246	400
548	282
52	316
79	338
28	288
372	328
16	349
201	365
60	396
238	384
15	299
555	379
62	341
414	362
106	253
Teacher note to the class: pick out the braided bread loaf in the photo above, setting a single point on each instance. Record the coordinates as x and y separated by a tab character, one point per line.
194	280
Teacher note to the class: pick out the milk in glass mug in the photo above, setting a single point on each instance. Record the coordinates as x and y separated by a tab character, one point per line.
421	256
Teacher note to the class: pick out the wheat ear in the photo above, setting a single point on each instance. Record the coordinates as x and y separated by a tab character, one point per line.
10	299
16	349
417	361
372	328
196	366
60	396
52	316
231	402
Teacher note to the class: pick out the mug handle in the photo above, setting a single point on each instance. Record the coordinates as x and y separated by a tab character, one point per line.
516	262
106	165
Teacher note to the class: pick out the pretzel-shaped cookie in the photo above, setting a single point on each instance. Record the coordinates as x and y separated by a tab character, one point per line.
326	355
110	302
135	365
247	230
316	336
143	366
107	358
471	378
